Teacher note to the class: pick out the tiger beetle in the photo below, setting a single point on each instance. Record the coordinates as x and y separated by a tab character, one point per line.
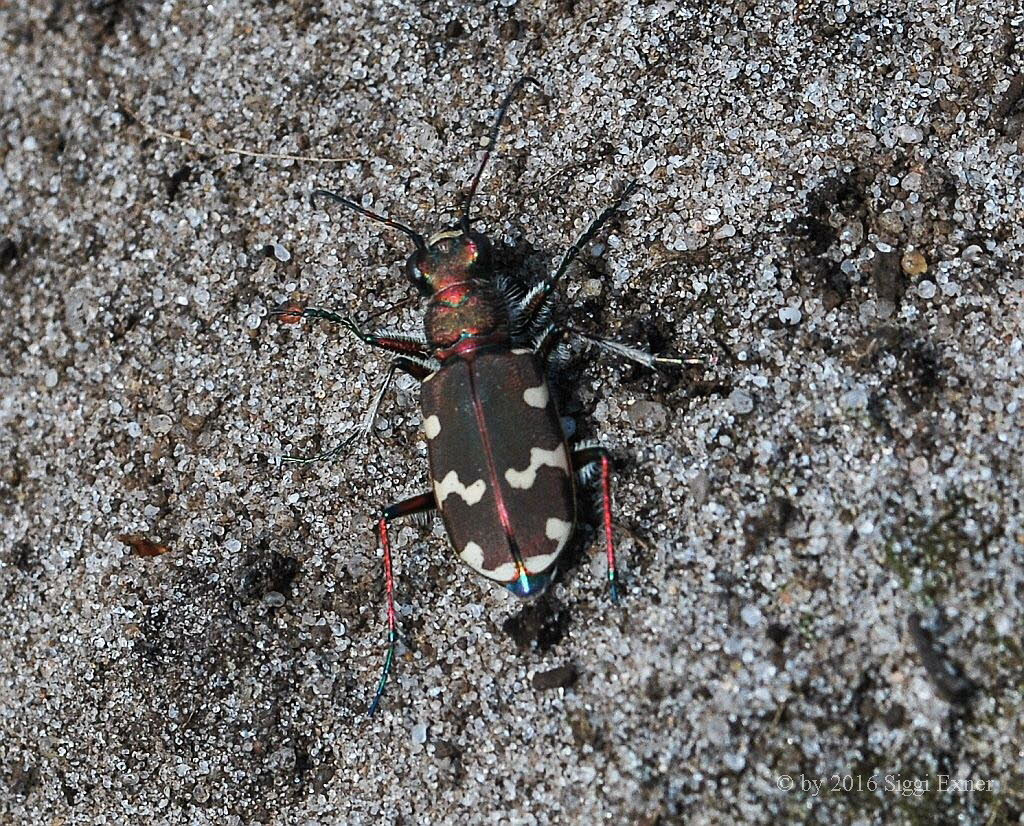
502	475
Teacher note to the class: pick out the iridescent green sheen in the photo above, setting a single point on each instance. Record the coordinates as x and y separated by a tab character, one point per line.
530	586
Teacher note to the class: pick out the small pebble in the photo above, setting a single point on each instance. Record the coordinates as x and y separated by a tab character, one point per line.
699	488
193	423
852	233
273	599
741	401
926	289
971	253
419	734
855	399
561	677
648	415
909	134
790	315
913	263
159	425
890	223
281	254
912	182
751	615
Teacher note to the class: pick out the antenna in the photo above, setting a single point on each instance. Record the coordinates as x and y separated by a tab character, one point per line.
490	146
417	239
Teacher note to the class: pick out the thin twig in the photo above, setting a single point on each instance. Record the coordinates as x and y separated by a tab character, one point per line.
227	150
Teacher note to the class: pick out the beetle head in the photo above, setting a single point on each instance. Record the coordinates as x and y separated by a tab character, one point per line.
449	257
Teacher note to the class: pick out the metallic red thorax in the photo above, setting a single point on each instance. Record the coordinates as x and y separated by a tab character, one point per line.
465	312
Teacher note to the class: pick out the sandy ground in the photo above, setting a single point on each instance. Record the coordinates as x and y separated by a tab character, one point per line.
821	532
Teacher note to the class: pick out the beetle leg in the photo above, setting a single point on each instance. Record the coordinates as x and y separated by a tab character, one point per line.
536	297
551	337
548	341
416	368
414	346
583	460
635	354
414	504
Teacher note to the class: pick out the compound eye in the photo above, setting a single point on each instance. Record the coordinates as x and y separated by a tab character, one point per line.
414	272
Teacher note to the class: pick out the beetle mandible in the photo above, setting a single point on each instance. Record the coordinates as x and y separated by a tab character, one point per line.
503	477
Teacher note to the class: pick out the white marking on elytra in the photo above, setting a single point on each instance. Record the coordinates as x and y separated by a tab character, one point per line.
473	556
519	351
431	426
524	479
430	377
536	396
471	494
559	530
539	563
